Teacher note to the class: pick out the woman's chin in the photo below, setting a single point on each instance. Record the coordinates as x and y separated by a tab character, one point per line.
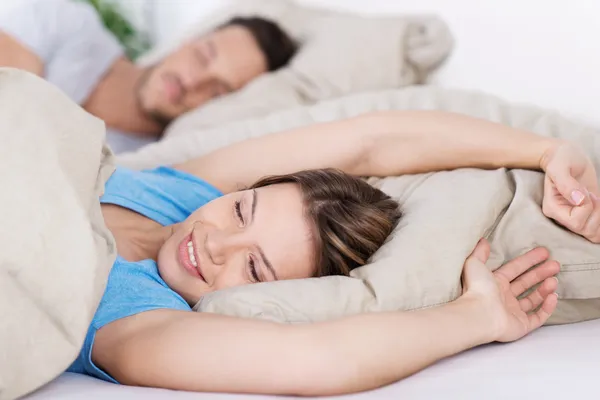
179	280
188	292
168	268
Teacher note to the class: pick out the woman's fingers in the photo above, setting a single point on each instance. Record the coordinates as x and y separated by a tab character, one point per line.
519	265
583	219
474	268
540	317
481	250
533	277
535	298
591	230
571	189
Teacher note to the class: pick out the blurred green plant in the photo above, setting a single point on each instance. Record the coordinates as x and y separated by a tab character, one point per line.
134	42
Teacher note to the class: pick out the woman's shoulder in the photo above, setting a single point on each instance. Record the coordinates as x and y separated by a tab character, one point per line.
135	287
134	297
164	194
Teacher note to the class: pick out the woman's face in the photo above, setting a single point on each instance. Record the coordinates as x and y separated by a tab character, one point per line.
244	237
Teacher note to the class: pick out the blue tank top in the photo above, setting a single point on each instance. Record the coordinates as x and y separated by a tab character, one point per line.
167	196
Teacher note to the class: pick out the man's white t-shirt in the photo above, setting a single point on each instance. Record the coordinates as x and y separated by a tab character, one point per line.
76	48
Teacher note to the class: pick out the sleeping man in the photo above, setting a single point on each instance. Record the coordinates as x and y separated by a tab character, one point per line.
65	42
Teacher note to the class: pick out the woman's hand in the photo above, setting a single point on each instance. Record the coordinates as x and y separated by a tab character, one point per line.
571	193
499	292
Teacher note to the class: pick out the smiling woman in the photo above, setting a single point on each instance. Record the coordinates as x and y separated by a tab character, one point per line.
237	239
186	230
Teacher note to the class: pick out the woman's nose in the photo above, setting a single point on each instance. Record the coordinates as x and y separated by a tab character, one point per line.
220	244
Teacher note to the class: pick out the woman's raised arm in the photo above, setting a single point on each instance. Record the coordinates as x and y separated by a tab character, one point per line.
375	144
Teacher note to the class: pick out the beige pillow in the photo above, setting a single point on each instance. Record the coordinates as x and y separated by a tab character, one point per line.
340	53
445	215
55	252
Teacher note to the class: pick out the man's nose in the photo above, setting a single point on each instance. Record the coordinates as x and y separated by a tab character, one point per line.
194	76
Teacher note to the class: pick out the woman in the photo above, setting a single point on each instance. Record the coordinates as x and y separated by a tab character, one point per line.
191	229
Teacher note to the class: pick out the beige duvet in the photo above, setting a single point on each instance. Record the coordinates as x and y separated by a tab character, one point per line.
55	251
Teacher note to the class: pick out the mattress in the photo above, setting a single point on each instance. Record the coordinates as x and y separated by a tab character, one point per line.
555	362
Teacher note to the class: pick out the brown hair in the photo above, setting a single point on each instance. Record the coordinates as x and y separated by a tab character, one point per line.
351	219
277	46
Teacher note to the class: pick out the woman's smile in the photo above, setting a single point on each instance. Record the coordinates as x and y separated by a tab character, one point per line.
188	257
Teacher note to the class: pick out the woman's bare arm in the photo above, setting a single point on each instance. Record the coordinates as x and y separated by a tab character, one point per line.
375	144
208	352
13	54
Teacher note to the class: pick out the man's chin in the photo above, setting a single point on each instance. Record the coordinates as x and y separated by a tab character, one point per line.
150	111
159	117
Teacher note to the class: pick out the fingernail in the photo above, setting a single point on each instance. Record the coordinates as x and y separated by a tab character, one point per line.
577	197
557	282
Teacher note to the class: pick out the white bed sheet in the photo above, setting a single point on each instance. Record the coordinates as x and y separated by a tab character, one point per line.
559	362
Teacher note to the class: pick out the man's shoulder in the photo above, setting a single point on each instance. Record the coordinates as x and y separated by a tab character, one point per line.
71	40
49	14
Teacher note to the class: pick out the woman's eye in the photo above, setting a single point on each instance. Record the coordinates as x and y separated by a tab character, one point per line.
253	271
238	211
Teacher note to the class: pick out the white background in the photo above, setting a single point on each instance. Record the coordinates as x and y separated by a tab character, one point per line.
534	51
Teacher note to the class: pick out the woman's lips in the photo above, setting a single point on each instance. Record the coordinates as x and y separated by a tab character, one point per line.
184	258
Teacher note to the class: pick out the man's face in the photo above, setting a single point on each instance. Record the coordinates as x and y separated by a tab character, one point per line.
202	69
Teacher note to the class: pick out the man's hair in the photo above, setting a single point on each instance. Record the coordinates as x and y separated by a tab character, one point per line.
277	46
